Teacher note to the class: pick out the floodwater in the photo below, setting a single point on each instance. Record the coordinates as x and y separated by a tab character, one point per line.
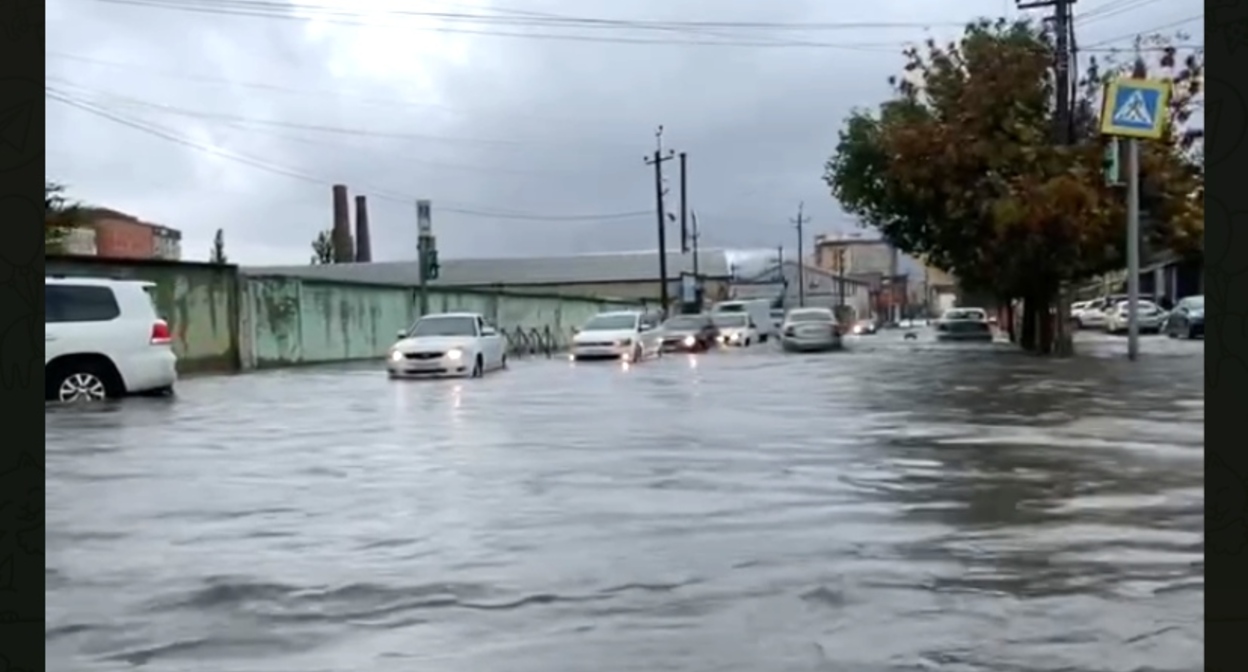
900	506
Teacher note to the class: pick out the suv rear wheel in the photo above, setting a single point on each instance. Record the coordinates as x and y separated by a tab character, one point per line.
82	378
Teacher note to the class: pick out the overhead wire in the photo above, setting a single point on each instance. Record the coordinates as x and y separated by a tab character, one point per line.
446	22
277	169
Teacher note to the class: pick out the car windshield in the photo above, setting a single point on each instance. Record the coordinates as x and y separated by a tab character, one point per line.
965	315
731	320
685	322
444	326
611	323
810	316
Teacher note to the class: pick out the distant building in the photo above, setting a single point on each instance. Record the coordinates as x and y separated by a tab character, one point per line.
779	284
624	275
872	261
122	236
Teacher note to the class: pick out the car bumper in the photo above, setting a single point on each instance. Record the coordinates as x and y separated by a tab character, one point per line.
792	344
441	367
150	371
968	337
682	345
589	352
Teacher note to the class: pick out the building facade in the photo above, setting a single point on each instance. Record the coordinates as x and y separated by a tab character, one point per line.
122	236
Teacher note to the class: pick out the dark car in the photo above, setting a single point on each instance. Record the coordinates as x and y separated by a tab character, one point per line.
689	333
1187	320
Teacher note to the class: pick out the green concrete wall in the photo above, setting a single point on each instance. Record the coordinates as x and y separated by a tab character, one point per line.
223	321
290	321
200	302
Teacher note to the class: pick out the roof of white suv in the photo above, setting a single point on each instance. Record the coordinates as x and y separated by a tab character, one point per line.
95	282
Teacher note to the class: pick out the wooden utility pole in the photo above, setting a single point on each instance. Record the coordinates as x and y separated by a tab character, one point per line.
800	223
657	161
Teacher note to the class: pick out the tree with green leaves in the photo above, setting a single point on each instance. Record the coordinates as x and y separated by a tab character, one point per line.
60	215
961	167
323	248
217	254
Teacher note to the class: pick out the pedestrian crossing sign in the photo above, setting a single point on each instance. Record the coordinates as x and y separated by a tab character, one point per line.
1135	108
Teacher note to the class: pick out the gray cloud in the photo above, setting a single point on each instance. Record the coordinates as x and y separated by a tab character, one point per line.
480	123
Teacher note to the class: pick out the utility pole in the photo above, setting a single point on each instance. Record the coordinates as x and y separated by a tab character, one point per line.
684	207
840	276
697	277
1063	124
800	222
657	161
426	252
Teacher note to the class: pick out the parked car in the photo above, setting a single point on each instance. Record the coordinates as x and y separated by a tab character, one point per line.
690	333
447	344
103	340
810	330
964	324
627	335
737	329
1149	318
1187	319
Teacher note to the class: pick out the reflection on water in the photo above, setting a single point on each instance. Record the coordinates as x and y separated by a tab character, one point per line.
899	507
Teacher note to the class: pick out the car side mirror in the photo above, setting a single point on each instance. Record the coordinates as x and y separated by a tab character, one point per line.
402	334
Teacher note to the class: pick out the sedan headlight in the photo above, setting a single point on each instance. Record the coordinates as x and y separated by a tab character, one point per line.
396	356
624	342
735	337
689	340
455	354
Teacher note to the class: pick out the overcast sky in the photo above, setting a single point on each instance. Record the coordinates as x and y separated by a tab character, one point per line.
240	115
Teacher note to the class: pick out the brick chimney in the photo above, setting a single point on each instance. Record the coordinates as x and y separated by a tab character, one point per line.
363	243
341	232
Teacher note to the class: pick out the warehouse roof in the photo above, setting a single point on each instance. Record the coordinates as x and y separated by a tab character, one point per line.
569	270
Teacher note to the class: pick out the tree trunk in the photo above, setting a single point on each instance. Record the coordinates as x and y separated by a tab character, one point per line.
1044	345
1027	339
1009	321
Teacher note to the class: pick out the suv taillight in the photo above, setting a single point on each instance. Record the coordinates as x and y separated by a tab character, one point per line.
160	333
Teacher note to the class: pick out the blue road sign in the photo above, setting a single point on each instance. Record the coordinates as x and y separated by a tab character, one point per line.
1135	108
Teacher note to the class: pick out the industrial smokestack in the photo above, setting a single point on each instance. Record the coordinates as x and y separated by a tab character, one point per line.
363	244
341	232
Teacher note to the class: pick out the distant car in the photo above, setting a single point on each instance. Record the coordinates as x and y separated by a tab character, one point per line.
810	330
1187	319
629	335
447	344
777	318
865	328
760	314
689	333
964	324
736	329
1149	318
103	340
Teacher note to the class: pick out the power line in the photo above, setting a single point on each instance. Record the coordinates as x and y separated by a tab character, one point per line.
335	16
266	166
1137	33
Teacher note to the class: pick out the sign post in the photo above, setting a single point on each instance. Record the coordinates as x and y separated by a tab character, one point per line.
1134	108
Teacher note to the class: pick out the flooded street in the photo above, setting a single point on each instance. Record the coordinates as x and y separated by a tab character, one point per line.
899	506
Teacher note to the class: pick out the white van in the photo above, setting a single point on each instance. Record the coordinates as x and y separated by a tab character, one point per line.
759	311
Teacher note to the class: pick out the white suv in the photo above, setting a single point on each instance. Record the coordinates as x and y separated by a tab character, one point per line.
103	339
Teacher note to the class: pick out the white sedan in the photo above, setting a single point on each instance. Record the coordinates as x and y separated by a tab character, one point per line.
1150	317
447	344
810	330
